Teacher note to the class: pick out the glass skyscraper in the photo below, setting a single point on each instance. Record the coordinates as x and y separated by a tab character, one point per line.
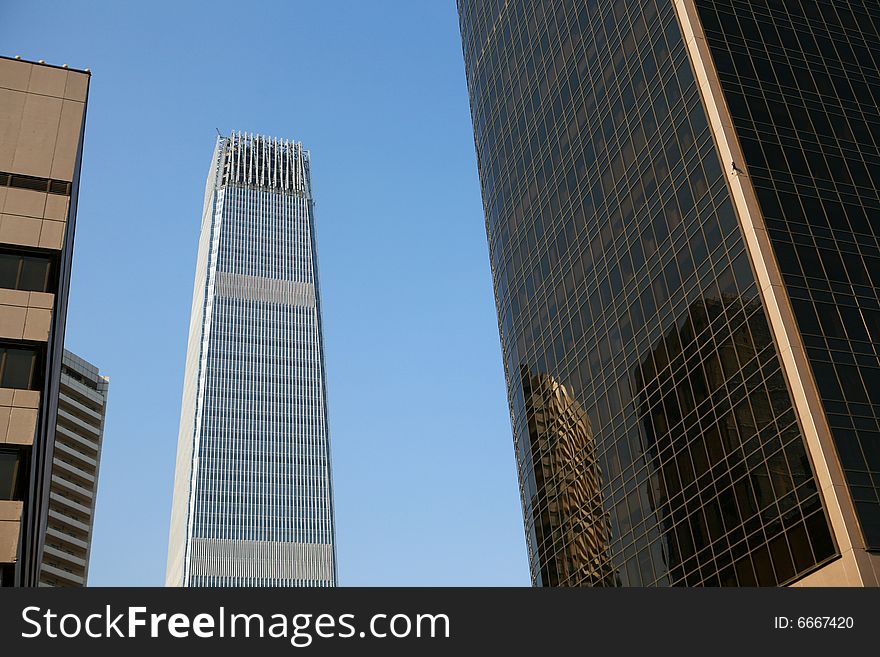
684	230
252	494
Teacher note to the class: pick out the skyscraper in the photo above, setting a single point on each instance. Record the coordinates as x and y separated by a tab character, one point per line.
683	218
82	407
252	493
42	123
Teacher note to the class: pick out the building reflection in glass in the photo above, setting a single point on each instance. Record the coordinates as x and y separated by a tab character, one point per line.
571	528
726	484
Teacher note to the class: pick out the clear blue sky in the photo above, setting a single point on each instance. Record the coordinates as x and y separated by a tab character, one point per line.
424	471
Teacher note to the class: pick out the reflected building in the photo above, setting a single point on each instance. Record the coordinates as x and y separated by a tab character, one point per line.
753	480
680	203
567	517
252	492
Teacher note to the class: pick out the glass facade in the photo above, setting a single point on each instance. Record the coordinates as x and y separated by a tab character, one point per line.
655	435
802	82
252	502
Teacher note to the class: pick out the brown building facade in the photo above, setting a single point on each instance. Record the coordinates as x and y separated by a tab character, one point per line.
42	118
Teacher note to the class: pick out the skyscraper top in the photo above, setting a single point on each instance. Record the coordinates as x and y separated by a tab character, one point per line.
265	162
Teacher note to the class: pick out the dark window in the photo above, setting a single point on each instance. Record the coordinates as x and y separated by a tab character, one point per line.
7	574
19	368
12	473
26	271
34	183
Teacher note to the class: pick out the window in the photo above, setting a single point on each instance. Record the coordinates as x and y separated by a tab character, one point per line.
7	574
19	368
36	184
12	474
26	271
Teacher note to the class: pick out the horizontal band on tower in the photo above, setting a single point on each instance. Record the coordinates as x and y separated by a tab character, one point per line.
261	559
270	290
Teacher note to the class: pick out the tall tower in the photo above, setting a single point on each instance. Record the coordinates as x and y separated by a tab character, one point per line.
252	493
683	217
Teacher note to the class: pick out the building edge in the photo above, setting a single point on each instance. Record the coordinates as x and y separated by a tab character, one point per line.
186	449
855	566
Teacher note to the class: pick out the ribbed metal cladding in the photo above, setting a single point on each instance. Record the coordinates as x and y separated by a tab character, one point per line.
252	494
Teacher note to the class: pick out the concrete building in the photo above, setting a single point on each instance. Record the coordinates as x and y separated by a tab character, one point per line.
42	118
683	219
252	492
82	407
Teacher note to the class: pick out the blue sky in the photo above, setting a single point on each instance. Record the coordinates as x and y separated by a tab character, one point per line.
424	472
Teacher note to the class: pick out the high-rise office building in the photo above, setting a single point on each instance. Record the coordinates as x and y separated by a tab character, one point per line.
82	407
252	493
683	217
42	120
